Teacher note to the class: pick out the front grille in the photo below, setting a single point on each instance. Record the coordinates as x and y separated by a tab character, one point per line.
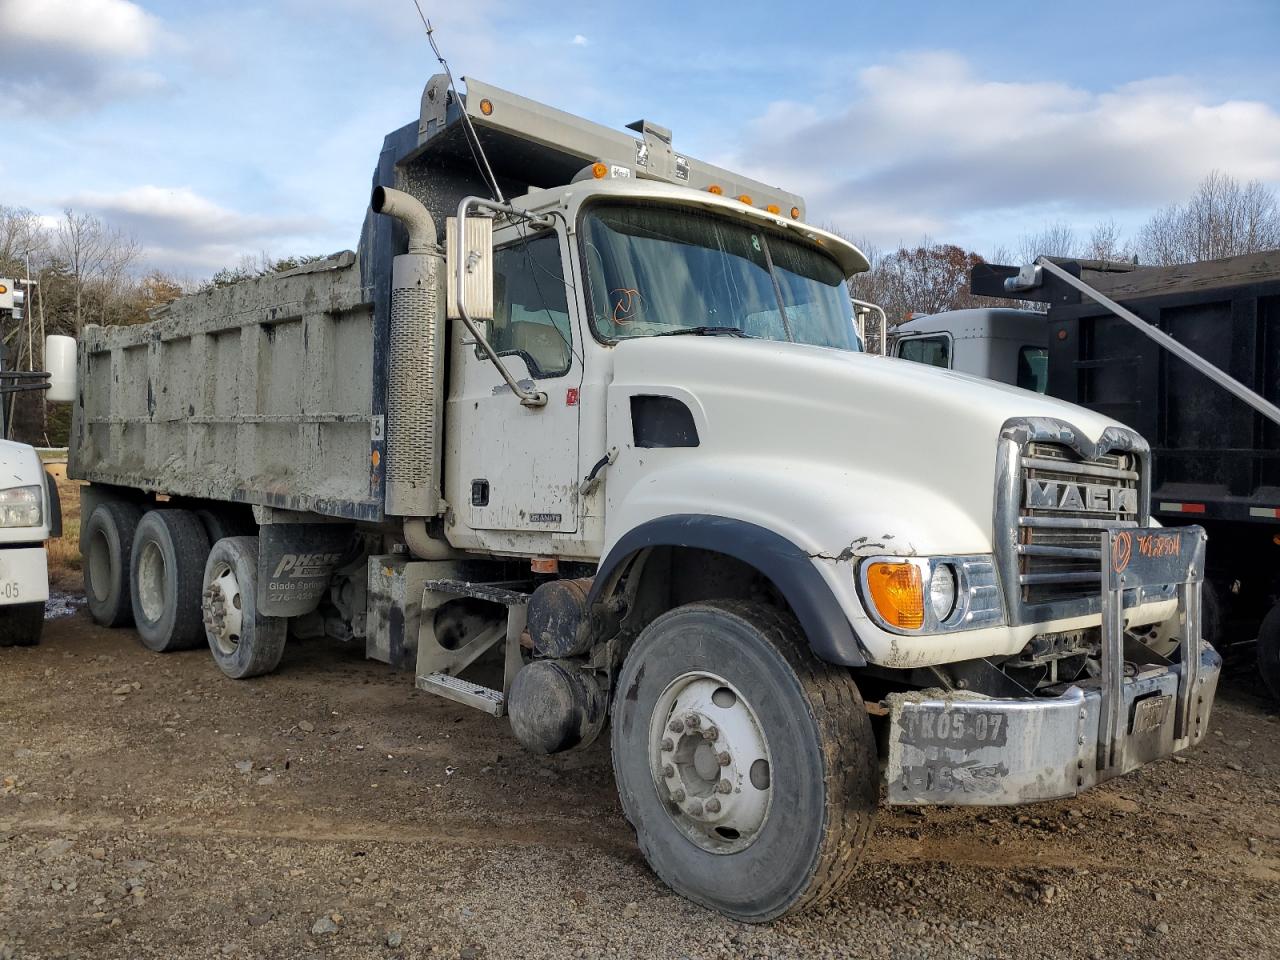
1066	502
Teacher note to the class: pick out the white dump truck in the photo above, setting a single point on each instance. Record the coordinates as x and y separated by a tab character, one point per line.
582	437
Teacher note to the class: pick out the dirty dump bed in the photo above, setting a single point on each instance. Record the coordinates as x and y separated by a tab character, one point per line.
261	392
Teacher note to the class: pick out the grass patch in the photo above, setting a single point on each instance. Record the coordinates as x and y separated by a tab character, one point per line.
64	552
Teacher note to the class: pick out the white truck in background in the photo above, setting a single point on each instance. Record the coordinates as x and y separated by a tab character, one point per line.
607	452
29	509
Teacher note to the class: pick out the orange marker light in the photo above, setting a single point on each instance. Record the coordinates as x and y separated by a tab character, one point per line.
795	213
486	106
599	171
897	593
744	198
716	189
773	208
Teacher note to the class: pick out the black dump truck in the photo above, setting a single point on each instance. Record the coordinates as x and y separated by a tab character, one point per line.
1215	448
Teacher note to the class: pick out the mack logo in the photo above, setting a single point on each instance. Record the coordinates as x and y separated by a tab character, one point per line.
1088	497
301	565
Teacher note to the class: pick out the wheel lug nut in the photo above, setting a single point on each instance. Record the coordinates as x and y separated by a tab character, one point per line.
676	727
695	808
711	734
713	805
667	745
724	786
692	721
677	796
668	771
723	758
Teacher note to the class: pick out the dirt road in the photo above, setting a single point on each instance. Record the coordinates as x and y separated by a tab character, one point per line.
151	808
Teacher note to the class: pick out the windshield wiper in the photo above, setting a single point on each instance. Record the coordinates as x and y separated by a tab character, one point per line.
706	332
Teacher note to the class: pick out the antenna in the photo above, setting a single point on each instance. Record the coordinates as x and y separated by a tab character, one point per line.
473	140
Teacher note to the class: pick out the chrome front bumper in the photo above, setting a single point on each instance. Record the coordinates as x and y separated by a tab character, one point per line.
965	749
991	752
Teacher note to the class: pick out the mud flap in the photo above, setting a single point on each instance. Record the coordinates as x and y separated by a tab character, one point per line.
295	564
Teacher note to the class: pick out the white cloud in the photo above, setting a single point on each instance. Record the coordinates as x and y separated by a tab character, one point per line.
62	56
180	228
579	40
926	144
108	28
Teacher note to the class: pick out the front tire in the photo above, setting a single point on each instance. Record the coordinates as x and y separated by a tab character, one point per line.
747	766
21	624
1269	651
244	643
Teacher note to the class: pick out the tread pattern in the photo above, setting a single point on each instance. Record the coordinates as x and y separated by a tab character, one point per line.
852	770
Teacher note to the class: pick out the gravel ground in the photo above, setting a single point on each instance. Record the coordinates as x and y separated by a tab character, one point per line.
151	808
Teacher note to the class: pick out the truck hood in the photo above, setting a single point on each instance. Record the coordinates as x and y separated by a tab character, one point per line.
19	465
867	440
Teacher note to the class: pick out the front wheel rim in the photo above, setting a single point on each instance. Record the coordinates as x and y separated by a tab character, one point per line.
710	761
224	609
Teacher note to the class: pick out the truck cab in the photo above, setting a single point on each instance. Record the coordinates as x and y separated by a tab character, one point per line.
1000	343
29	516
583	436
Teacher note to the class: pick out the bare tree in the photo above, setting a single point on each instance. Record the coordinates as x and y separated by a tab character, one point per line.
1105	243
97	255
1053	240
1224	218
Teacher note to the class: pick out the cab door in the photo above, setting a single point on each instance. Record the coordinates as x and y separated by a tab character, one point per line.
517	466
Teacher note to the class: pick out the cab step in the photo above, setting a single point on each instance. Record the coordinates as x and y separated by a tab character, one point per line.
470	694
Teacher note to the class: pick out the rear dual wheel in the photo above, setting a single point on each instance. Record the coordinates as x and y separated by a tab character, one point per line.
167	561
747	766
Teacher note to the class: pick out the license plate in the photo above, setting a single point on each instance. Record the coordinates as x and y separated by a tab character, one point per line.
1150	714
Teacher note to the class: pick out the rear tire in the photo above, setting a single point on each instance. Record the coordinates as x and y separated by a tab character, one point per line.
764	804
170	548
21	624
106	544
1269	651
244	644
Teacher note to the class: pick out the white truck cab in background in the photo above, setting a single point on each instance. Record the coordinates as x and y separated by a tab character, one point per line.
28	513
29	509
999	343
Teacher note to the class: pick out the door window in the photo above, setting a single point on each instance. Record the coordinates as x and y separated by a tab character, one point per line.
530	306
934	351
1033	369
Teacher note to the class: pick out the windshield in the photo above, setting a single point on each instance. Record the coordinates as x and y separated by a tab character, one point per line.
660	270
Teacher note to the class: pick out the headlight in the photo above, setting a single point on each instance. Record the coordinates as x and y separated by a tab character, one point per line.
925	595
942	591
21	506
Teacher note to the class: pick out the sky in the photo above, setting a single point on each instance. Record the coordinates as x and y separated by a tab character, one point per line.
214	130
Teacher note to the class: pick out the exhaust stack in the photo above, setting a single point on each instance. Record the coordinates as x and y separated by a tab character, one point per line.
416	351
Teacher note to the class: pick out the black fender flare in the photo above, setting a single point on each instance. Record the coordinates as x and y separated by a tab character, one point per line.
792	571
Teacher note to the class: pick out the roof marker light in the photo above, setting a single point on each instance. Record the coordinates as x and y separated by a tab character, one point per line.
716	189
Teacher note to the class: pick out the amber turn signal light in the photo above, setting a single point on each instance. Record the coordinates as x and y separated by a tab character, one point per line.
898	594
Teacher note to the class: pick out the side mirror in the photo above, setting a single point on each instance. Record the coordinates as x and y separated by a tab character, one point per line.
475	248
60	361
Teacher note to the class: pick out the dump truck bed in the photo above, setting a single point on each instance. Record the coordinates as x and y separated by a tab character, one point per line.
263	392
